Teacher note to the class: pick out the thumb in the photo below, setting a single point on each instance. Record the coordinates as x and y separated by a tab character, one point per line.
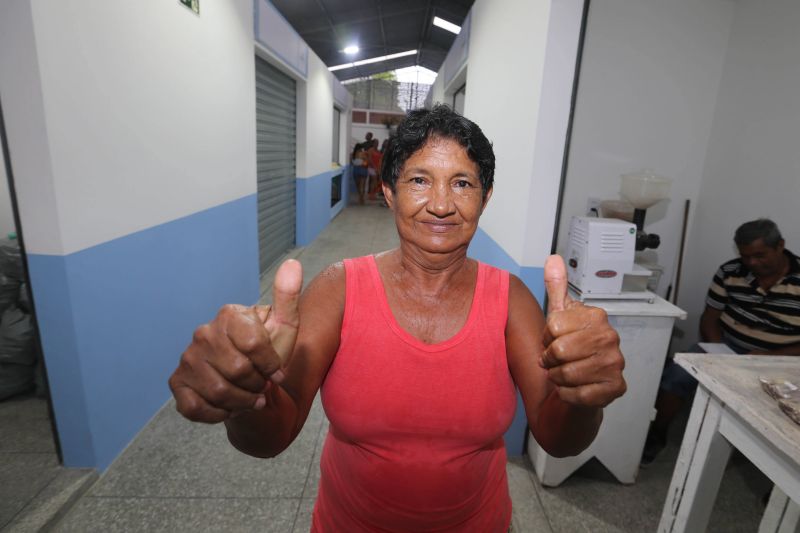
555	281
284	318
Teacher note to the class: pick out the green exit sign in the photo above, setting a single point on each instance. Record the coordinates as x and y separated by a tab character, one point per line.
194	5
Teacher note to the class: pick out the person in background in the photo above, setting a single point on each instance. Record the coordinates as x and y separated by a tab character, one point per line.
752	306
417	353
362	145
375	158
360	161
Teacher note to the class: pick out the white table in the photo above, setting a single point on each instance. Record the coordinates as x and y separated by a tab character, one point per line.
645	330
730	410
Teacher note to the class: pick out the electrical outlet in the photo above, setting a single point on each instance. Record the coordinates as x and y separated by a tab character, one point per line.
593	207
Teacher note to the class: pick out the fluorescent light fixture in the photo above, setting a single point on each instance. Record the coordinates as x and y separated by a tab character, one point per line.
372	60
352	49
449	26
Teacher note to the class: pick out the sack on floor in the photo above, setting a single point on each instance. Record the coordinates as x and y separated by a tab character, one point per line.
9	292
15	379
16	338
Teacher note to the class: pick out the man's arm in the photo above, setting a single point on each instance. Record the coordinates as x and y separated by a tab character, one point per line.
710	325
789	349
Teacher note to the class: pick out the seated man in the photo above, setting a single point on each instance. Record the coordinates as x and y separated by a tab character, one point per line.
753	306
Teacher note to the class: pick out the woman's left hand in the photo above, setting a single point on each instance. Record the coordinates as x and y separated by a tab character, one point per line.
581	355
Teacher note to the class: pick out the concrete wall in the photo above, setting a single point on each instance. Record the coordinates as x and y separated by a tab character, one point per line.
752	168
132	135
649	80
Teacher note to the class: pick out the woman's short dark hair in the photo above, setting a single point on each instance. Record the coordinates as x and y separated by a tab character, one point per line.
762	228
421	125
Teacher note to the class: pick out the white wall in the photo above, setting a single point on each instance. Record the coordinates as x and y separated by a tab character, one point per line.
518	89
143	156
648	85
23	110
317	135
753	164
493	60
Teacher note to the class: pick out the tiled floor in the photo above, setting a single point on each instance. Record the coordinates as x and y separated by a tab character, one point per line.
179	476
32	483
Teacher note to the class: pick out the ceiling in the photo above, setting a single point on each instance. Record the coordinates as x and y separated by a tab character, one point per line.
378	27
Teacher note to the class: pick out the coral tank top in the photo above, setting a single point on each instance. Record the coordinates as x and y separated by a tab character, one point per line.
416	430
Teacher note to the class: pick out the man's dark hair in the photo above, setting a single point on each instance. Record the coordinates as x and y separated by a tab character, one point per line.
763	228
421	125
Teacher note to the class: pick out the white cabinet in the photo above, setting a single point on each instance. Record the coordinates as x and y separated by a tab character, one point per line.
645	330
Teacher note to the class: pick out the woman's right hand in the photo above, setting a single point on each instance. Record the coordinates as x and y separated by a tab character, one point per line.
234	360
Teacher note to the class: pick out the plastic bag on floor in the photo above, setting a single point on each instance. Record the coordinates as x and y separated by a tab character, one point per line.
15	379
16	338
23	302
10	259
9	292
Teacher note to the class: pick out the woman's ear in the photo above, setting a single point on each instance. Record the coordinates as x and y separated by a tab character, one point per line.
388	195
486	198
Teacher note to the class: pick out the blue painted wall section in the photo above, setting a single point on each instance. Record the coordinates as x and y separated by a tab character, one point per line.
116	317
484	248
313	201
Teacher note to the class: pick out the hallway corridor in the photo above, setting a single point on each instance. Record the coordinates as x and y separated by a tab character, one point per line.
178	476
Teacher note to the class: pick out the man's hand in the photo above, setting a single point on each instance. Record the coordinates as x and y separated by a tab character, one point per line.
581	354
233	361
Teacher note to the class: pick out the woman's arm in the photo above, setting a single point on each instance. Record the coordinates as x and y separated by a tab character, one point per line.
259	372
567	369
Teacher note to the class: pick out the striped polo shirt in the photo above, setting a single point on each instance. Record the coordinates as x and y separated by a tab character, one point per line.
752	318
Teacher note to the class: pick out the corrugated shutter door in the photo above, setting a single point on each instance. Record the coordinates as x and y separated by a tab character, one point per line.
275	140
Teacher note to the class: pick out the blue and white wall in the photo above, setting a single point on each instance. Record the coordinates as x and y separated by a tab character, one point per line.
318	91
518	87
132	138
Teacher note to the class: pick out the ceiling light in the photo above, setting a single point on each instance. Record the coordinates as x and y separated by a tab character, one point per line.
449	26
372	60
352	49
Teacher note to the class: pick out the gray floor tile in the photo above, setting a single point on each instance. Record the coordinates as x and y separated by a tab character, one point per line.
303	522
528	515
47	505
27	435
23	476
175	515
592	501
24	407
173	457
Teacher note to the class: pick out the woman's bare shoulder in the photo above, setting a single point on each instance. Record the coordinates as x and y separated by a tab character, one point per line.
328	284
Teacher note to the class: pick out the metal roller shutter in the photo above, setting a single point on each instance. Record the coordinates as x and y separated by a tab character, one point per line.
275	149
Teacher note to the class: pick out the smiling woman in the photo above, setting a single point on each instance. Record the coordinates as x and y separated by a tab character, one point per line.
416	353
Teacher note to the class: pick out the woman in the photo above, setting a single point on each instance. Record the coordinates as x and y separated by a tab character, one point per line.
418	404
360	163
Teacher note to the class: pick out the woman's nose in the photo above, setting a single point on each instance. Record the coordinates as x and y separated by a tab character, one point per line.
441	203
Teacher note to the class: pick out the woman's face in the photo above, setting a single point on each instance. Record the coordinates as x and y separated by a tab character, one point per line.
438	197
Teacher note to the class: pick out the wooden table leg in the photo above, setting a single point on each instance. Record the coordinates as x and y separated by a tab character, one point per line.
782	515
701	463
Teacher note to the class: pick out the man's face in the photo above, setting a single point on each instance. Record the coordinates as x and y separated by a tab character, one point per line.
762	260
368	137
